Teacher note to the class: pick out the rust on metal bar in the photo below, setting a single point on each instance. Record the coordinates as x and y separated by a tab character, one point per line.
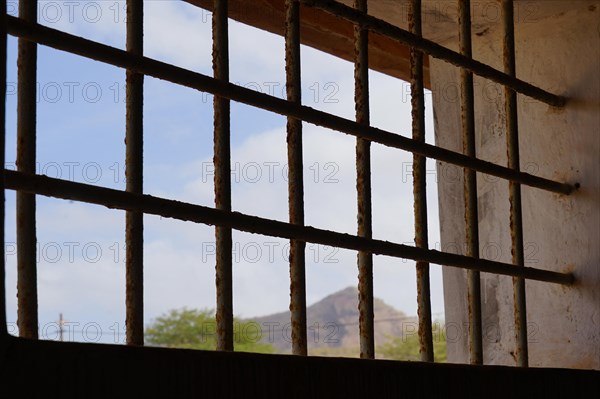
435	50
363	187
295	179
222	163
27	318
134	160
420	186
116	199
470	187
110	55
3	59
516	217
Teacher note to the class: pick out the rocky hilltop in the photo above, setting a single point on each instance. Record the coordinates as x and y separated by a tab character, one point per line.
333	325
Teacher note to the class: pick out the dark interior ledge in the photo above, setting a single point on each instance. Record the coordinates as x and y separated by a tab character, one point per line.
46	369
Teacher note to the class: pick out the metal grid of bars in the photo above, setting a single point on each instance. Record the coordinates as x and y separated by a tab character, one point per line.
28	184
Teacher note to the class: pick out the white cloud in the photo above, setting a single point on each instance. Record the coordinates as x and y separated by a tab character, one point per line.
178	33
101	21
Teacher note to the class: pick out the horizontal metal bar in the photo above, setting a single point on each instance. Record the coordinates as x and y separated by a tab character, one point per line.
435	50
110	55
116	199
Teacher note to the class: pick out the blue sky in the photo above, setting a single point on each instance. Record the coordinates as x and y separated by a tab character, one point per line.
81	121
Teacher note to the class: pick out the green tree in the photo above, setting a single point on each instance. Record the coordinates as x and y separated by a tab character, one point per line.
407	346
196	329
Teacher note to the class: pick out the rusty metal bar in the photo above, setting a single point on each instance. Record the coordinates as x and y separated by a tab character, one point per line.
470	187
435	50
3	62
27	318
295	178
115	199
516	217
420	186
222	162
363	187
134	162
110	55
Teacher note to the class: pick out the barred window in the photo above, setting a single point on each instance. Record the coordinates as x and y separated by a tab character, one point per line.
36	175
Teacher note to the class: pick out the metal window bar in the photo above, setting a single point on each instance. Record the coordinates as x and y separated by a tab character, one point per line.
113	56
3	56
419	186
27	318
363	187
295	179
221	216
467	108
516	219
222	163
134	161
115	199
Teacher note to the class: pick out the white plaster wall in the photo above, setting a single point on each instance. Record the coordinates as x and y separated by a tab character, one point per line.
561	54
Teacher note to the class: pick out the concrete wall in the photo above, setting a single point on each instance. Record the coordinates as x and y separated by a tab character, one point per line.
561	54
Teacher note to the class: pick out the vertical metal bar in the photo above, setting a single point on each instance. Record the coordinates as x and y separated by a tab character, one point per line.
419	186
134	220
295	178
222	162
3	60
516	217
470	186
26	154
363	187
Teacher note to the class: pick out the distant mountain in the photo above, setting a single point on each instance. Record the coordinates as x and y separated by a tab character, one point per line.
333	325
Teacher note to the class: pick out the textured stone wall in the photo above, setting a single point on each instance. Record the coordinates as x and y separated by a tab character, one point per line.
559	53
